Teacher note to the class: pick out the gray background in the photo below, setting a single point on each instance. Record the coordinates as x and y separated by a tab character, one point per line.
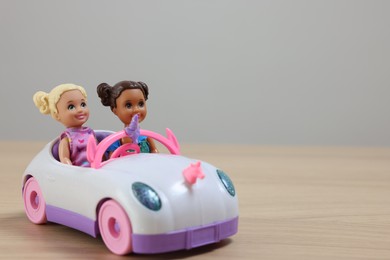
254	72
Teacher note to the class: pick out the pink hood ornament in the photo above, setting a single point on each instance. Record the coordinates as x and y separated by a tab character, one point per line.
193	172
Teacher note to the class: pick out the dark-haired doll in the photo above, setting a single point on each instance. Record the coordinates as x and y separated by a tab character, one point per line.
126	99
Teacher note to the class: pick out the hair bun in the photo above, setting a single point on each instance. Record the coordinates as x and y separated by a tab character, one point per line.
145	89
41	101
104	93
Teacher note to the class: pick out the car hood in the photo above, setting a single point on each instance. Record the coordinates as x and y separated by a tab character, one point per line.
183	204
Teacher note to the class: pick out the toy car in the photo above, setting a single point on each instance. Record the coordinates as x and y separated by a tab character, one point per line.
141	203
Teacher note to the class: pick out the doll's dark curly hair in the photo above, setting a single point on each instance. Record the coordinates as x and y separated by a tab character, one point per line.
108	94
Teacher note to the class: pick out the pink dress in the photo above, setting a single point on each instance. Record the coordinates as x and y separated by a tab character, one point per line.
78	139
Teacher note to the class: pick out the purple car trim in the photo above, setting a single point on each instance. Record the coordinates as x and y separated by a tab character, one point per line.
150	244
185	239
71	219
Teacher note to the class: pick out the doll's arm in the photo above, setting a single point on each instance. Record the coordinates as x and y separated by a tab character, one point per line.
64	152
152	145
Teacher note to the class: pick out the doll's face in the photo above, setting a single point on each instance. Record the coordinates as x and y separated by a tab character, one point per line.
72	109
130	103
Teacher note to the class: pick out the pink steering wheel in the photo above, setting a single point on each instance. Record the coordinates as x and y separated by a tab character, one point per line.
95	153
126	149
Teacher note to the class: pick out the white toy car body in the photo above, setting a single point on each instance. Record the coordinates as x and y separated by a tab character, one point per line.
141	203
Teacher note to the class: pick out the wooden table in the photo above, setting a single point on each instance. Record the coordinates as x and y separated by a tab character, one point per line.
295	203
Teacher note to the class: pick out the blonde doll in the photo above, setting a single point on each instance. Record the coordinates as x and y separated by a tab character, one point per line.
67	103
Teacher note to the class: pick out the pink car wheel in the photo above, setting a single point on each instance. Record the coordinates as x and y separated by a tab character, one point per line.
115	228
34	203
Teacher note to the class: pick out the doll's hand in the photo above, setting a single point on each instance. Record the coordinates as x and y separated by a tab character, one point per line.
68	161
133	130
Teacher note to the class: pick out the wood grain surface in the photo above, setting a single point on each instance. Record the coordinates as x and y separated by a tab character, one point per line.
295	203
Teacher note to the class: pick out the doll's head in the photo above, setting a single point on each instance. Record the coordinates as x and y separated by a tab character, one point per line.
66	103
126	99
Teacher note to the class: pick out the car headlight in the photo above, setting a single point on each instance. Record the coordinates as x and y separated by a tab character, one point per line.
226	182
147	196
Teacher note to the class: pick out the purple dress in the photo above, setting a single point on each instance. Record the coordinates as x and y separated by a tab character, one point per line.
78	140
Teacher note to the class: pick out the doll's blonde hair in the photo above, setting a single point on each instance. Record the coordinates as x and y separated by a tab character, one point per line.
47	102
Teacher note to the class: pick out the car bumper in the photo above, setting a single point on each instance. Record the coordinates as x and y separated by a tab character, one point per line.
184	239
